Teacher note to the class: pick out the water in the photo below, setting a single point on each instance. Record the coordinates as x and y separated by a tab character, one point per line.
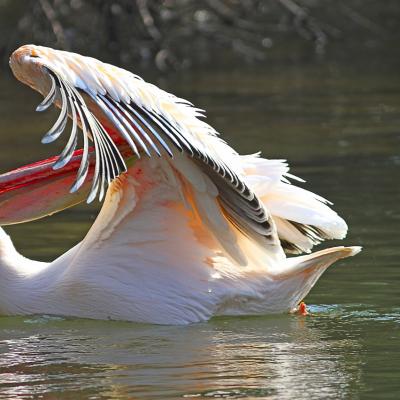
338	124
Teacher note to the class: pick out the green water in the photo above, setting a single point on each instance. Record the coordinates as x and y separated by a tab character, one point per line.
338	125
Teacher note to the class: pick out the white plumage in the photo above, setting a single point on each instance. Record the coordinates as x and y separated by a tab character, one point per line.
191	230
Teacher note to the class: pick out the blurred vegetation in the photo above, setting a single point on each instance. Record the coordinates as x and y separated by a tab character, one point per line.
179	33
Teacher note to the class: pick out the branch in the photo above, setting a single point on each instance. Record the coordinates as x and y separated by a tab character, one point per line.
58	30
148	20
362	21
302	17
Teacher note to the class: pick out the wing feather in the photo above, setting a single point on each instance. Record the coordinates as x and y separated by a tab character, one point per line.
49	99
109	162
68	151
150	119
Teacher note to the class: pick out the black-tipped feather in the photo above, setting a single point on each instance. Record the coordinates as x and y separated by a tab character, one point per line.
84	166
313	234
49	99
108	108
236	197
119	113
109	162
150	128
70	147
59	126
141	128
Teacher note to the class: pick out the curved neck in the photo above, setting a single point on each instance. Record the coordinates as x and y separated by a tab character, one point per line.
13	261
16	272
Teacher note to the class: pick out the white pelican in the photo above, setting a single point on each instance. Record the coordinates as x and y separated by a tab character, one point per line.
189	229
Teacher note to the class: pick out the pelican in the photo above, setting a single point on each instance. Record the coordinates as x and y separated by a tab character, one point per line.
188	229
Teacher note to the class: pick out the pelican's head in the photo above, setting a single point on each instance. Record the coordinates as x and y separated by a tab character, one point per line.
28	66
36	190
45	187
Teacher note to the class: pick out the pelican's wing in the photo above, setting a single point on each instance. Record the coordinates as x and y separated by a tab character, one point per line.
302	218
153	122
109	161
241	205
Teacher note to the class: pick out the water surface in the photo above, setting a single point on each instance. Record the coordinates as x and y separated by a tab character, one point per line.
338	124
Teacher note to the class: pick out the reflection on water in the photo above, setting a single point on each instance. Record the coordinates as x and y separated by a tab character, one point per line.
229	358
339	127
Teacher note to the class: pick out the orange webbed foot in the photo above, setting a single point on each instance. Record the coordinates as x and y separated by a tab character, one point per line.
302	309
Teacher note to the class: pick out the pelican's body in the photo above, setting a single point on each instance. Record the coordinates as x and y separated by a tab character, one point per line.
189	231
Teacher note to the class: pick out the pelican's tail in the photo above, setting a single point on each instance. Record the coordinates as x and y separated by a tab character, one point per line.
299	274
319	260
302	218
281	290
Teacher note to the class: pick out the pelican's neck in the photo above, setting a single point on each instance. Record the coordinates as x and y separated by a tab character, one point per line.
15	273
14	263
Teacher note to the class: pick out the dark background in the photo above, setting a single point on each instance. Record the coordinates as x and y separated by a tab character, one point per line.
171	35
